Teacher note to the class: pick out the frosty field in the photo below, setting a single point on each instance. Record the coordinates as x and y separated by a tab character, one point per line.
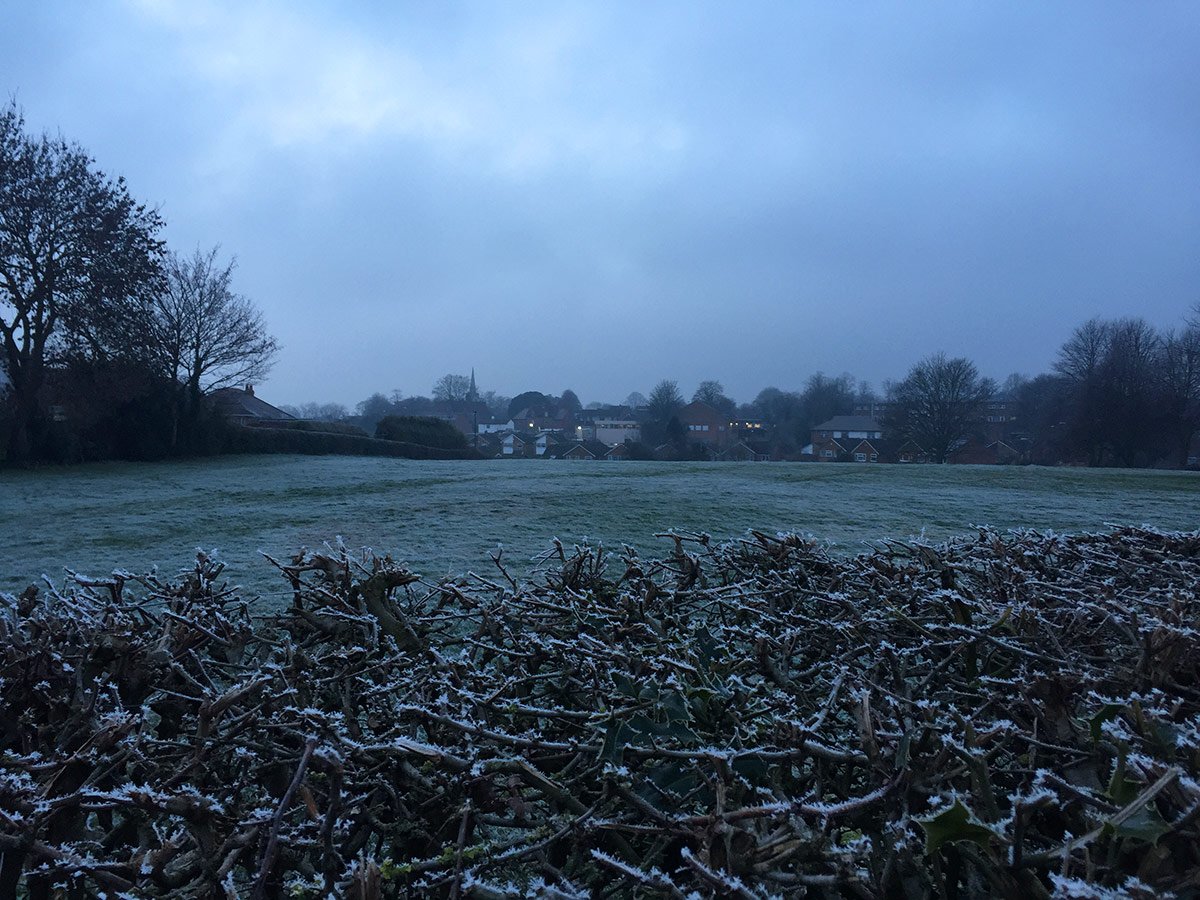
446	517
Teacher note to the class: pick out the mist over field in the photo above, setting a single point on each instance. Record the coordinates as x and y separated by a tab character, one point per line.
444	517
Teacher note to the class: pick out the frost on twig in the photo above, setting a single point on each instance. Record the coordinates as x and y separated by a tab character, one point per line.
1009	715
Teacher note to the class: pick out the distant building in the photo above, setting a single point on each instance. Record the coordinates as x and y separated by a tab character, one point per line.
514	444
548	443
615	431
241	406
839	439
704	424
584	450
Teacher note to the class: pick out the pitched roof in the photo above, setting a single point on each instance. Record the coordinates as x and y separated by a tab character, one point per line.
849	423
240	403
594	449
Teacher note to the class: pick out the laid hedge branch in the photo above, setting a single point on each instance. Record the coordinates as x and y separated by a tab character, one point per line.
1012	715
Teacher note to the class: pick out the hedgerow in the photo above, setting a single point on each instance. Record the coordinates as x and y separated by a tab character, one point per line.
1009	715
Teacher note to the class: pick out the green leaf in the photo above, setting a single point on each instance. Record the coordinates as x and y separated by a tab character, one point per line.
1122	790
673	779
1144	825
1107	713
616	736
751	767
676	707
625	684
707	646
954	824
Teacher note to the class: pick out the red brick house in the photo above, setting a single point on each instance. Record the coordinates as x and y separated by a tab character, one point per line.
704	424
864	452
836	439
586	450
911	452
984	453
617	452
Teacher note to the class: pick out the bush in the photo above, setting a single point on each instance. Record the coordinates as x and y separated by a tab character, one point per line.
423	430
991	717
260	439
317	426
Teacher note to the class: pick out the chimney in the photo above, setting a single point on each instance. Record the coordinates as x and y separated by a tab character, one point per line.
250	389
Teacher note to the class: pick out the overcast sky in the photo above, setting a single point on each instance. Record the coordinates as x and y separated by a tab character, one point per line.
601	195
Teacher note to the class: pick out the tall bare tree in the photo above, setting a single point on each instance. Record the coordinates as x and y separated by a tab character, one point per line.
207	336
939	402
78	258
1113	370
1180	387
452	388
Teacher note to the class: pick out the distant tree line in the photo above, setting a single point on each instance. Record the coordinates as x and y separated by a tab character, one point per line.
109	341
1119	393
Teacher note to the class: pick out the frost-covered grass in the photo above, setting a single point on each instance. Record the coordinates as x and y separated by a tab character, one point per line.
444	517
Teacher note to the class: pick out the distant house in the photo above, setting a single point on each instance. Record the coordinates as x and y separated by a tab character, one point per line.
747	430
864	452
514	444
548	443
239	405
744	452
983	453
615	431
872	409
584	450
911	452
1000	419
488	445
619	452
836	439
495	426
704	424
826	449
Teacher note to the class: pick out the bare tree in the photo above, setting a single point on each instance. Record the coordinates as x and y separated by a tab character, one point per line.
209	337
78	257
824	397
1113	369
318	412
452	388
665	400
713	393
206	335
939	402
1180	387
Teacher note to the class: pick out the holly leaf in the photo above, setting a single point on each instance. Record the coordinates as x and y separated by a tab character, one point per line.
954	824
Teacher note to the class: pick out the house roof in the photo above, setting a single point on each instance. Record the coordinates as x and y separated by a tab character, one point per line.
240	403
594	449
698	409
849	423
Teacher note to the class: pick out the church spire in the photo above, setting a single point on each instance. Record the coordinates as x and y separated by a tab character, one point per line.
473	394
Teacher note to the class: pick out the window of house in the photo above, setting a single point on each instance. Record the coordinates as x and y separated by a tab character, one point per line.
827	454
860	457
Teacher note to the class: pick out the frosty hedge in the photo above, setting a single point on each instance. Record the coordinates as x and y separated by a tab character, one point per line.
1002	715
